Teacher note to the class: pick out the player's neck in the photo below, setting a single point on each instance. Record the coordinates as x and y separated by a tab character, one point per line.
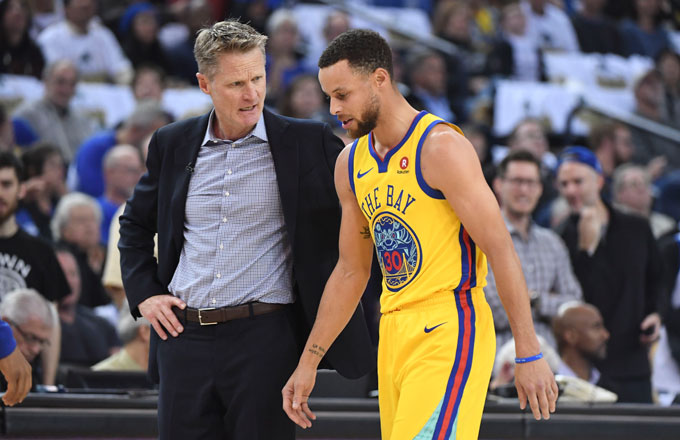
9	227
394	121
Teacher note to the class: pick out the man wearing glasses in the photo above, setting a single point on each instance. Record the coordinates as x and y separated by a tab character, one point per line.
544	257
31	320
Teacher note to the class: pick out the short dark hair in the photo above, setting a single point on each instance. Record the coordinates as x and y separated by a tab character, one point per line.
34	159
517	156
9	160
363	49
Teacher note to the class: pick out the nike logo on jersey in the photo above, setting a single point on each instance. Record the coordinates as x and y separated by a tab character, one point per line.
360	174
428	330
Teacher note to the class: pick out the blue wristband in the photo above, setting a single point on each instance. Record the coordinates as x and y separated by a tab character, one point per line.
529	359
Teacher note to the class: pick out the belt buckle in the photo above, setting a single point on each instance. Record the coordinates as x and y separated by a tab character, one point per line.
200	318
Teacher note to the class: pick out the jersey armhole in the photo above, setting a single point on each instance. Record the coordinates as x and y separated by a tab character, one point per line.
427	189
350	165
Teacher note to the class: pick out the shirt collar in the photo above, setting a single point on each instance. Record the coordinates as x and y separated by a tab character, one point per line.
514	231
260	132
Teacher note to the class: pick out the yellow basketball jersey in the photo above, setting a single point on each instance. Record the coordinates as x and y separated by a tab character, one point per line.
421	244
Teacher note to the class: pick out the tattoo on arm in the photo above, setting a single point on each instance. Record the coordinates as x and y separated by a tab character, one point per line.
366	233
317	350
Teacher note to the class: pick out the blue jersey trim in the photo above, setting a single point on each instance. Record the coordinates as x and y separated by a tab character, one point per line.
427	189
350	165
383	163
466	314
7	342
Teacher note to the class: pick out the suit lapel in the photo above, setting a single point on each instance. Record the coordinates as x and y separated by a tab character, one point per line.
186	153
284	149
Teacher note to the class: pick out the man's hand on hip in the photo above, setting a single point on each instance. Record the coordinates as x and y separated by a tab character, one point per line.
158	310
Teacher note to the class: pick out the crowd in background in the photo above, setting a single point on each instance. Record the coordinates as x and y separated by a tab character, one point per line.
77	172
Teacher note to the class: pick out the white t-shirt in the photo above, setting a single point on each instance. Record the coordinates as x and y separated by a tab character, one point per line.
97	53
552	30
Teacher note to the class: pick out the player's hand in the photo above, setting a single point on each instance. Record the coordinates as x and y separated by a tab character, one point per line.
158	310
17	372
535	383
295	395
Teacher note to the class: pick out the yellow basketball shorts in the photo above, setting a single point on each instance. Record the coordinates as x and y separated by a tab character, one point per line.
434	365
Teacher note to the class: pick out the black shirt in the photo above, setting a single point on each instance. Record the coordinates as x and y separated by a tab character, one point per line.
30	262
88	339
624	280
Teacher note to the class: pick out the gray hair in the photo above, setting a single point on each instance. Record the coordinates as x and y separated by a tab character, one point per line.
620	174
128	327
20	305
51	67
225	36
279	17
146	113
111	157
62	213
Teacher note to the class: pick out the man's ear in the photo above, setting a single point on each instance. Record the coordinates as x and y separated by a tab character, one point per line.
203	83
381	77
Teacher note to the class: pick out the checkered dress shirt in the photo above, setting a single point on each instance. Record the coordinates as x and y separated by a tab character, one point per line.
236	248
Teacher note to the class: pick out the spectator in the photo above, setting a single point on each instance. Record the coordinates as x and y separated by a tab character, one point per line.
617	262
139	34
668	65
19	55
85	174
32	320
596	32
427	74
549	26
45	185
122	169
285	53
581	340
76	225
632	193
515	54
335	23
26	261
90	46
612	144
530	134
649	103
304	99
544	258
134	356
148	83
7	141
52	117
194	15
645	36
465	72
86	338
478	135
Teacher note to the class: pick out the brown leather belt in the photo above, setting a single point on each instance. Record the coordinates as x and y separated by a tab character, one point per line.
212	316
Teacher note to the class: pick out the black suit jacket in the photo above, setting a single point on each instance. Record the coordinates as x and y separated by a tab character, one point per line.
304	155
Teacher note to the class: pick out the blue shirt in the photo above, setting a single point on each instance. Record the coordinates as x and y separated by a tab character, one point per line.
89	177
108	210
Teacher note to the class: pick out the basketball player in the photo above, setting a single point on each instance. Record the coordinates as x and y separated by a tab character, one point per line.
414	184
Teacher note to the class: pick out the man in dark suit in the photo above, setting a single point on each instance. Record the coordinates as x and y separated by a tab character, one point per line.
247	217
